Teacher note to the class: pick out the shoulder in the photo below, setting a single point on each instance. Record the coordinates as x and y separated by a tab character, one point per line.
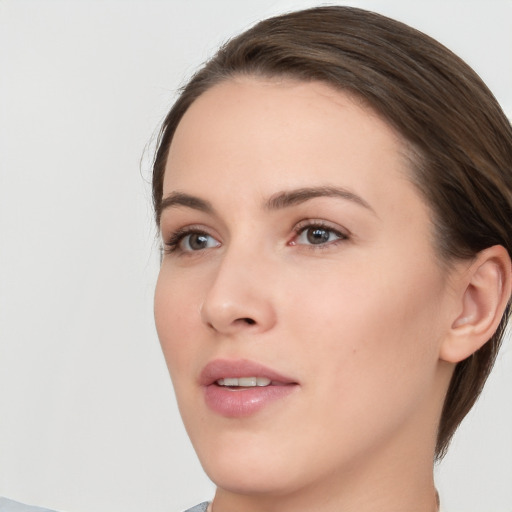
198	508
14	506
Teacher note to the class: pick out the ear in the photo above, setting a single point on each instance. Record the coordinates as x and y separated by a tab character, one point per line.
483	293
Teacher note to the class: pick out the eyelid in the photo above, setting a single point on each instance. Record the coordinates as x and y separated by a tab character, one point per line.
173	240
303	225
320	223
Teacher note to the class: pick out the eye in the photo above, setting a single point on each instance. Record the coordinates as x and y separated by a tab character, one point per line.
197	242
190	241
317	234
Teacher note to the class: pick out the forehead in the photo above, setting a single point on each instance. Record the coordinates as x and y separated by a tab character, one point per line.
251	134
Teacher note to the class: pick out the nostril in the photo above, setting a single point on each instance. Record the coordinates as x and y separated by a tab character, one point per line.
239	321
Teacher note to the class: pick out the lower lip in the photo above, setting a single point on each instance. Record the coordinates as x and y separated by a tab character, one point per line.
239	403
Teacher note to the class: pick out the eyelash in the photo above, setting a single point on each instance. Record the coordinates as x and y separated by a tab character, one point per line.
304	226
177	237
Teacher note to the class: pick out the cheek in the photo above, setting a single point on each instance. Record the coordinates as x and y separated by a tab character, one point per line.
174	305
368	349
371	326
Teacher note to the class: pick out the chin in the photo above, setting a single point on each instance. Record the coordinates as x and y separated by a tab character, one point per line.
254	483
243	465
249	480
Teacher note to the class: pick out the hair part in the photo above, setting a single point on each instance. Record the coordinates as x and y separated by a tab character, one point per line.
460	141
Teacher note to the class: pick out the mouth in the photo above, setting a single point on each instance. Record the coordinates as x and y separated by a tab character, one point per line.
244	382
240	388
241	383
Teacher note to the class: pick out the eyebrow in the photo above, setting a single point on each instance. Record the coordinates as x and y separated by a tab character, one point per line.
175	199
275	202
301	195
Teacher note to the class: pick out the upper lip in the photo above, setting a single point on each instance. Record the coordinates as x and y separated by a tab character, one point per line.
236	368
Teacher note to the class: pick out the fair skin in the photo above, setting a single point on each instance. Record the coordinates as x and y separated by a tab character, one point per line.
301	245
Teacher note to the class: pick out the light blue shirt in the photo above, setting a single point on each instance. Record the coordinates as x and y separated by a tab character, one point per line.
198	508
14	506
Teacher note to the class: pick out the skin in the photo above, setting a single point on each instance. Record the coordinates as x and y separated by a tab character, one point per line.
358	321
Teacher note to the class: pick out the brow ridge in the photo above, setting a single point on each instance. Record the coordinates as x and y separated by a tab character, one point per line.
175	199
277	201
293	197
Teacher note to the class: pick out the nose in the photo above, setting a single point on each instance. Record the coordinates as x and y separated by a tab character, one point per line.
239	298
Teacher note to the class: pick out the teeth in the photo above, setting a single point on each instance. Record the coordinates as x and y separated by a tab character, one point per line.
228	382
247	382
244	382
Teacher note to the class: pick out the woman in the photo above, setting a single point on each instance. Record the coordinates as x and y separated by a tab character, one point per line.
334	194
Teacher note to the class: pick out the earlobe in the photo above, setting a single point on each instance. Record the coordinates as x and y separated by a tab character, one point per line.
485	289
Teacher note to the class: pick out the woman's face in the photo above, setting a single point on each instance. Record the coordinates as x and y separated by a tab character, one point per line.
299	259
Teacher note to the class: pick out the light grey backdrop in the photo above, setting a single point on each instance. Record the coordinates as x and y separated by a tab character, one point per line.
88	421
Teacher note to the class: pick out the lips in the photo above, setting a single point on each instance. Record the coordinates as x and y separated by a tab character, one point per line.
240	388
240	368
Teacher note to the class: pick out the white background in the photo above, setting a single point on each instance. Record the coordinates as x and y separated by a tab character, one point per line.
88	421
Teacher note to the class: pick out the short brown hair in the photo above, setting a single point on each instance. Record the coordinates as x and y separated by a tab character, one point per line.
459	136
